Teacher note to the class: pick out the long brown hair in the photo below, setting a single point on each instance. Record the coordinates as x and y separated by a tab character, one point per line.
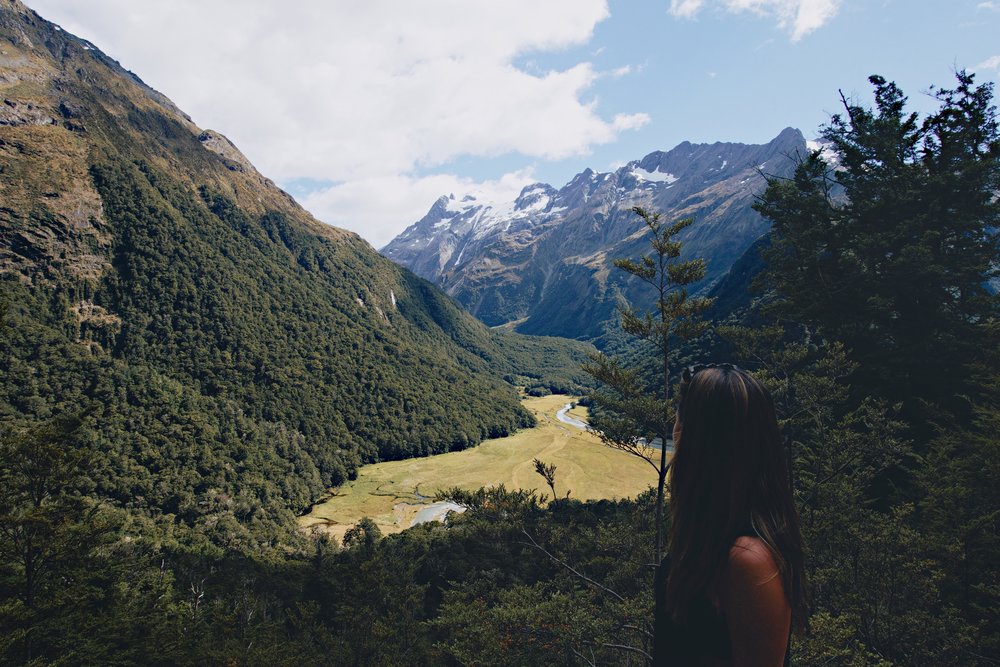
728	478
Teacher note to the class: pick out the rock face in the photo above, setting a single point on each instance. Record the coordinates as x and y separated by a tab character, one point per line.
63	104
543	263
20	113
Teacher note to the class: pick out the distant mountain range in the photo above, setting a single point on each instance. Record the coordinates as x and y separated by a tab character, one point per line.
542	264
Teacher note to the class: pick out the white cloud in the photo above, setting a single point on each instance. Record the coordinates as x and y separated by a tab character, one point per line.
799	17
992	62
364	92
380	207
629	121
991	6
685	8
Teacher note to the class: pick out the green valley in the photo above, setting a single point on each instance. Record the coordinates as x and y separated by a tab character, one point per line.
391	494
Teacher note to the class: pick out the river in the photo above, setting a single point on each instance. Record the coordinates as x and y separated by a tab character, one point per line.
436	512
572	421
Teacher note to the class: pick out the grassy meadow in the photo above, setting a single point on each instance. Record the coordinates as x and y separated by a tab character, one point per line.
392	493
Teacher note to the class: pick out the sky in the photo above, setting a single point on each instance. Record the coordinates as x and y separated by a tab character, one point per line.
367	112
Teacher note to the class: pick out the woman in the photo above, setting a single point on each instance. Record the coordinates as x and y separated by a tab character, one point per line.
732	581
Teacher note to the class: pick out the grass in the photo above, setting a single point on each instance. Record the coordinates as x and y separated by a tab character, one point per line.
578	412
392	493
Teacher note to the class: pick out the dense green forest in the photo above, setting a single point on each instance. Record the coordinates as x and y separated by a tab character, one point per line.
233	376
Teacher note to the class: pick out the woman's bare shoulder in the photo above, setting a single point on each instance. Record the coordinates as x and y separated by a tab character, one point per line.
751	560
755	604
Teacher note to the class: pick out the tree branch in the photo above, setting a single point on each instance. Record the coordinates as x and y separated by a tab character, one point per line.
623	647
572	569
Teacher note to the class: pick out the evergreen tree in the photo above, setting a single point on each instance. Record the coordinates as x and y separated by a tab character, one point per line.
889	248
47	531
961	511
632	411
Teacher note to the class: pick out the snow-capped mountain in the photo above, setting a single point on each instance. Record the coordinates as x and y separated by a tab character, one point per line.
544	261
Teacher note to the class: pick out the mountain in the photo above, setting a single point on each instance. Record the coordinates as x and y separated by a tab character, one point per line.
542	264
234	356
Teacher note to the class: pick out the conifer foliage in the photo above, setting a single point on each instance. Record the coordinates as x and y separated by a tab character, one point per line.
890	247
631	414
883	364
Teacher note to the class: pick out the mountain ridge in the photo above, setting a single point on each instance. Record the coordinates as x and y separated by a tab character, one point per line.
532	261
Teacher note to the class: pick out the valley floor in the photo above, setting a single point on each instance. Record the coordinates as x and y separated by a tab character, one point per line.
393	494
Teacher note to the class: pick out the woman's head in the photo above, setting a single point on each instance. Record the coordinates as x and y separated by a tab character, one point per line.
729	476
729	460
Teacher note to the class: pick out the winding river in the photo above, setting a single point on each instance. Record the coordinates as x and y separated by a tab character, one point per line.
572	421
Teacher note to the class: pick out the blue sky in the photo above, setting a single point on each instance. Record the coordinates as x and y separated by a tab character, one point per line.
367	112
725	76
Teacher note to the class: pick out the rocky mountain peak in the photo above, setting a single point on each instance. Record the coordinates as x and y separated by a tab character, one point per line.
534	197
223	147
18	7
545	258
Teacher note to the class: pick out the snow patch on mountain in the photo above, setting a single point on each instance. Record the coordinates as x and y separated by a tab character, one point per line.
473	216
460	206
826	150
654	176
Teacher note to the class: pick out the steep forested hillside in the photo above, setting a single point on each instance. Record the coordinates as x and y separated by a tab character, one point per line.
235	356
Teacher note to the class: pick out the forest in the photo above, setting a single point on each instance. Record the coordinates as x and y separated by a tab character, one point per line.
148	496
